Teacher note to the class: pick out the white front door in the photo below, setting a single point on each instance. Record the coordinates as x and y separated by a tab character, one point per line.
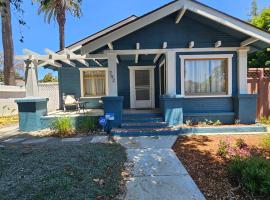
142	93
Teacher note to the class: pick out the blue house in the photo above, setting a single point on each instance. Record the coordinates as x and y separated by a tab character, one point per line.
184	58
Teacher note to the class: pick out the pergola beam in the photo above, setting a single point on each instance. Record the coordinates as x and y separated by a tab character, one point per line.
248	41
50	52
180	15
110	45
82	61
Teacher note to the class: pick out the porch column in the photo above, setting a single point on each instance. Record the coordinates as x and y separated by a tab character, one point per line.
112	74
31	84
242	70
171	72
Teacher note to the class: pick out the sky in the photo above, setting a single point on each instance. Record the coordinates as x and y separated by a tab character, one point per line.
97	15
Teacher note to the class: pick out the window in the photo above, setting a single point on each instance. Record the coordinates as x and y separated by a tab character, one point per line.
94	83
206	76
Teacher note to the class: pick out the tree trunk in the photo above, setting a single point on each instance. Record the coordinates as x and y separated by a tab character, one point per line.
9	70
61	20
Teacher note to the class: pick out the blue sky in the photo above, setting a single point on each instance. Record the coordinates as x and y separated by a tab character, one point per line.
98	14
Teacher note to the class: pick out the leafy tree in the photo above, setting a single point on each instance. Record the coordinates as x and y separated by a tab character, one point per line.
57	9
261	58
49	78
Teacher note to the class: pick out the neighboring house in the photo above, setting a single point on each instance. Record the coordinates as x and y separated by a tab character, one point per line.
183	57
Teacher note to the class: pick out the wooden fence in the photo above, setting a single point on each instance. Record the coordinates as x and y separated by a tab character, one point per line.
259	83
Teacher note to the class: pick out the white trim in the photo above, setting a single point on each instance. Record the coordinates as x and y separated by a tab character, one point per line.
161	51
137	55
248	41
209	56
163	63
171	73
93	69
195	7
242	71
180	15
191	44
132	69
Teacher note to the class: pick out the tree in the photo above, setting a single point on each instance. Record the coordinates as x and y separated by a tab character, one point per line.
7	38
49	78
57	9
254	8
261	58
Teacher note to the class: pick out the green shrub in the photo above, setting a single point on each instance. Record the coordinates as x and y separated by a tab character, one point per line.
265	120
223	148
217	123
87	125
62	127
266	141
253	173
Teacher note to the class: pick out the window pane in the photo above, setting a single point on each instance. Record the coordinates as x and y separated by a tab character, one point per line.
142	94
204	77
142	78
94	83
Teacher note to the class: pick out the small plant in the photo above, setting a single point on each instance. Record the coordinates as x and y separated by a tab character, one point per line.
265	120
189	122
237	121
87	125
209	122
240	143
223	148
253	173
62	127
217	123
266	141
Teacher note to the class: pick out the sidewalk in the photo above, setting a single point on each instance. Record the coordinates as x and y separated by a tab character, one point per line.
156	172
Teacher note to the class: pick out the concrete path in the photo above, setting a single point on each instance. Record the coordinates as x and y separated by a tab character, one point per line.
155	171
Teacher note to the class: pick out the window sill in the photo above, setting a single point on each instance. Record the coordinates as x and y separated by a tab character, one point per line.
207	96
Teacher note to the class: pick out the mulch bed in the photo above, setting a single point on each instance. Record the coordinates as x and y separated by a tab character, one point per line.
199	155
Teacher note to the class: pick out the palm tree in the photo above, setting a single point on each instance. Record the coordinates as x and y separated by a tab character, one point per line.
7	40
57	9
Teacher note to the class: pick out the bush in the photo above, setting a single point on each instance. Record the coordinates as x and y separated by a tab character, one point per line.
253	173
223	148
62	127
87	125
265	120
266	142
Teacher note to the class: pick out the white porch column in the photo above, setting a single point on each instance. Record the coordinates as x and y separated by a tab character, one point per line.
171	72
242	70
31	79
112	74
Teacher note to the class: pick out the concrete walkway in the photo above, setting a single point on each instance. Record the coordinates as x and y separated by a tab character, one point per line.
155	171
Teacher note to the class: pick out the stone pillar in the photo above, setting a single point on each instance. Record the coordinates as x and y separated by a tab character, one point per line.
112	75
31	79
171	73
30	112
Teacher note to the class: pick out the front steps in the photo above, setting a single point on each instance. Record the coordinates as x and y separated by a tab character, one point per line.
152	124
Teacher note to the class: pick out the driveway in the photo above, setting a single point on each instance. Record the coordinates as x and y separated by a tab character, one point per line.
155	171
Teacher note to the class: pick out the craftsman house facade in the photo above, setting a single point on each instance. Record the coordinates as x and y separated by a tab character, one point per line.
185	58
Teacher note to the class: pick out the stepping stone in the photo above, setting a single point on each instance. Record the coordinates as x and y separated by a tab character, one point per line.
14	140
71	139
36	141
99	139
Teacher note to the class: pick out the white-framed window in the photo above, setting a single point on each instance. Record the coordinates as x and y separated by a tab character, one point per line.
206	75
94	82
162	78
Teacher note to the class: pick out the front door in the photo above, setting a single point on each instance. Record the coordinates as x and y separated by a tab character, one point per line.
142	87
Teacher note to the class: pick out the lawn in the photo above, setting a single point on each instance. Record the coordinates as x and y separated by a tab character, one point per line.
89	171
209	170
8	120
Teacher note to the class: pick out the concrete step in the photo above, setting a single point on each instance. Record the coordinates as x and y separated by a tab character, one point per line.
144	132
140	115
142	119
142	125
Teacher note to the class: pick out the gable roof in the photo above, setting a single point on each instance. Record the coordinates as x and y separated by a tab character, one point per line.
75	46
124	29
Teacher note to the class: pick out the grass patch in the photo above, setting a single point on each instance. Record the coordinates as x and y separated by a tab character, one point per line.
61	172
8	120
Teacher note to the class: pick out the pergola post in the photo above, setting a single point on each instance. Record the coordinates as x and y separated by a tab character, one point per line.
112	76
31	79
